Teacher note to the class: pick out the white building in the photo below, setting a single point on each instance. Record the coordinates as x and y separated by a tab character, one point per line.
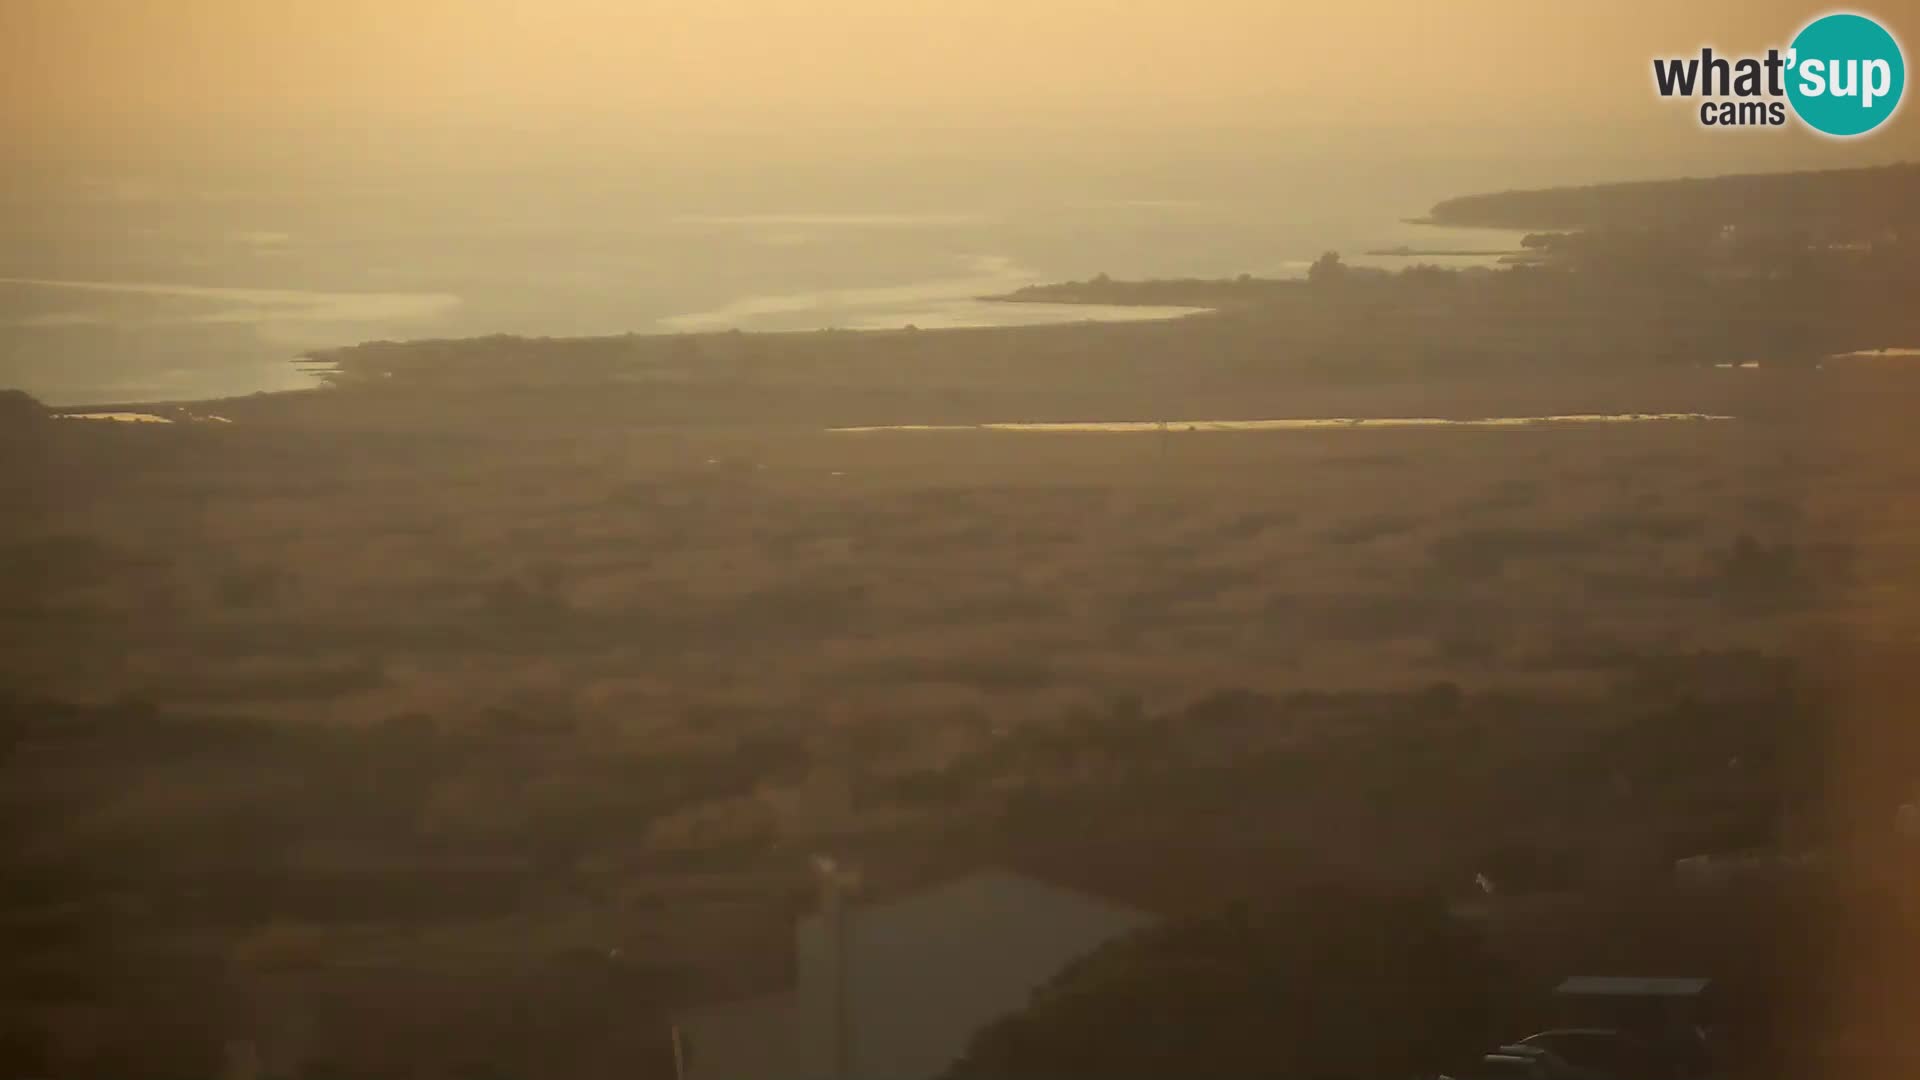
919	975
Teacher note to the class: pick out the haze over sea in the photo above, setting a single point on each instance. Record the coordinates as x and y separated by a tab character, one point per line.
126	284
253	178
126	288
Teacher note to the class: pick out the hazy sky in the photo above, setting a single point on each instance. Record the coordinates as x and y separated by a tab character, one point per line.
142	81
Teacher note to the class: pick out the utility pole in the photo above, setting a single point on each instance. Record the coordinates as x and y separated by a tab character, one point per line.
833	917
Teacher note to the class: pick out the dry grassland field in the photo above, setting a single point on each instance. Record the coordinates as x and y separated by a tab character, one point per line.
388	704
635	577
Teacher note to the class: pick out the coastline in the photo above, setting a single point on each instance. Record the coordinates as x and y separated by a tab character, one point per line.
315	362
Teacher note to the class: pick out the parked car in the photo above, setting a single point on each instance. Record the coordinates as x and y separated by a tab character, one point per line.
1520	1061
1605	1052
1619	1055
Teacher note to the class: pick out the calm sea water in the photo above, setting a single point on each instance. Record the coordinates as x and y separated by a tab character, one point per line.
141	296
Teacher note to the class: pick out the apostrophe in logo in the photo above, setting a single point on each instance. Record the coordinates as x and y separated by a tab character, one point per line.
1842	75
1846	74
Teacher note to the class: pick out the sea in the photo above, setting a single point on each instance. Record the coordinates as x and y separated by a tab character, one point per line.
113	292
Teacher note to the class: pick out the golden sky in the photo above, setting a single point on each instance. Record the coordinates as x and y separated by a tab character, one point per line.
80	75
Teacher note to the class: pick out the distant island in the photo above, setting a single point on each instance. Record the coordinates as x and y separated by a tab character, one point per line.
1853	202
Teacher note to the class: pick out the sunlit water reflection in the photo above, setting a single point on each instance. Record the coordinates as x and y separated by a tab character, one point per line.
1292	424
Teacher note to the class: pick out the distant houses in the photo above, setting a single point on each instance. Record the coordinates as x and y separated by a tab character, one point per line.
895	988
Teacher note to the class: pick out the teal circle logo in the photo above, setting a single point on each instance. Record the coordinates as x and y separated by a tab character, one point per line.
1845	75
